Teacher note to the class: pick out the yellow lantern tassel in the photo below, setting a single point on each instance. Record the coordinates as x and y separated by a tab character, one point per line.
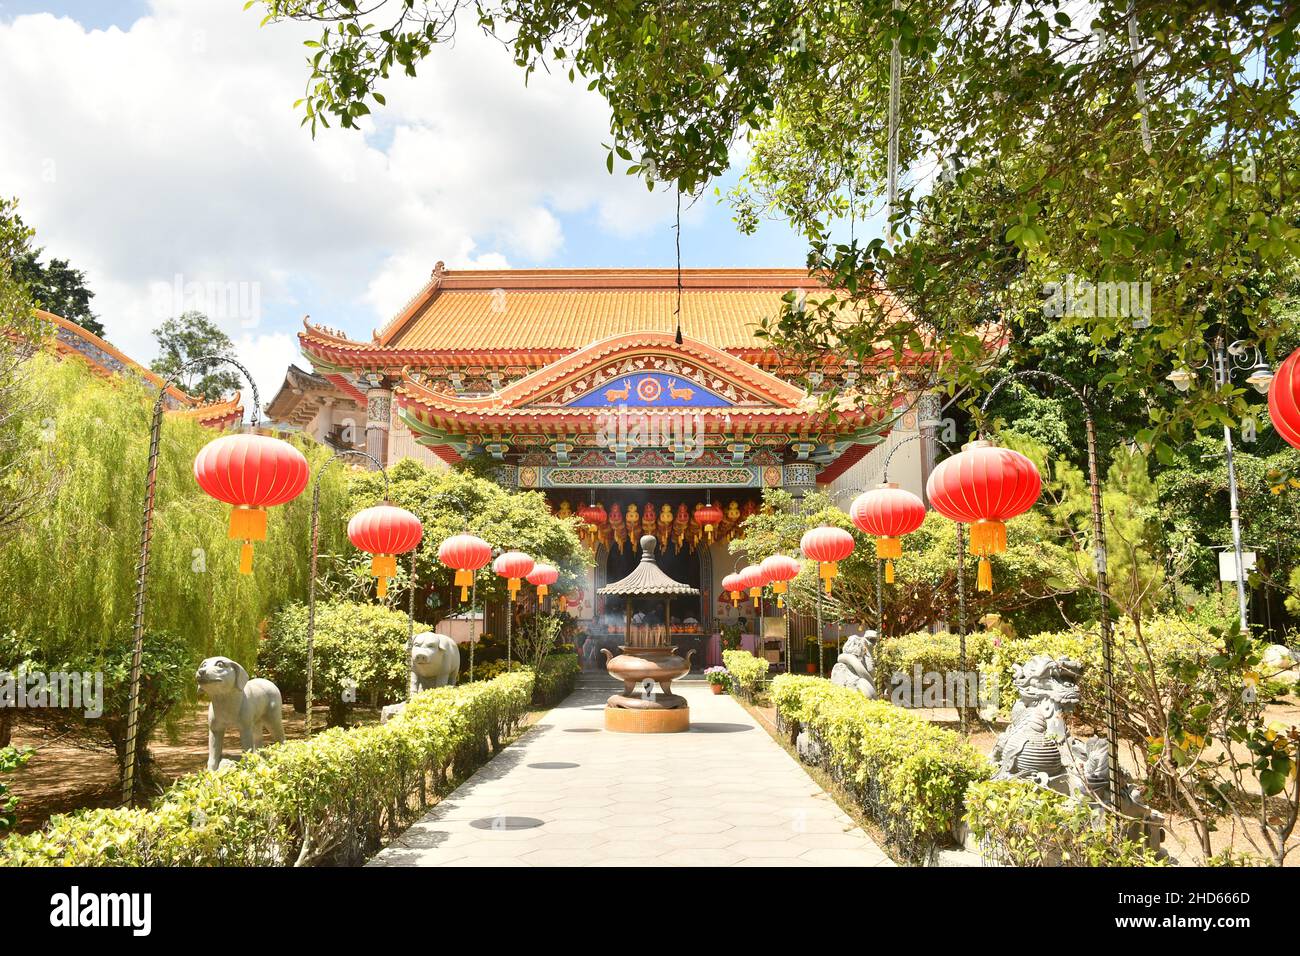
246	558
381	587
247	525
463	580
513	585
780	600
889	570
985	582
988	537
828	571
541	591
889	548
383	567
754	593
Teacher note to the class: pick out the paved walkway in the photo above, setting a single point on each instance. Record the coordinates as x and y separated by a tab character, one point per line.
570	794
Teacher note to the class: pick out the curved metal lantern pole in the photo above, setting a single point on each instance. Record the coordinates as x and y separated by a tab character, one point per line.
311	582
146	546
1099	554
961	574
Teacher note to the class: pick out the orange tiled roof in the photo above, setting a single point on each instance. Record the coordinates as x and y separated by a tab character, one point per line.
514	309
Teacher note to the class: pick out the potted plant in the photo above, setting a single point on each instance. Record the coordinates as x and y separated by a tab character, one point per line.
718	679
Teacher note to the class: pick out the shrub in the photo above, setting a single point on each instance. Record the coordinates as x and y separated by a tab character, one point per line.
358	643
11	758
933	653
333	798
907	774
556	678
746	670
1022	824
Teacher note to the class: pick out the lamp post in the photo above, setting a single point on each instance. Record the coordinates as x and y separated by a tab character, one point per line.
311	581
1228	358
1099	553
146	545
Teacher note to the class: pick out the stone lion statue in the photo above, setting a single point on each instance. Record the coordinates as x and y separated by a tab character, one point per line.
254	706
856	665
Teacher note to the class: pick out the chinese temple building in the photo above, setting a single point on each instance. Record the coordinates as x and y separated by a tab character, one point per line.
577	384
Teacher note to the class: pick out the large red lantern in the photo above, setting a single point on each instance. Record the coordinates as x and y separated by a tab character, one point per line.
780	569
1284	400
708	517
384	531
733	586
594	518
253	473
827	546
984	486
888	512
543	576
513	566
752	579
466	553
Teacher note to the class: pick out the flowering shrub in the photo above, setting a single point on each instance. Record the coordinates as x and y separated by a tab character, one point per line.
333	798
718	677
907	774
746	670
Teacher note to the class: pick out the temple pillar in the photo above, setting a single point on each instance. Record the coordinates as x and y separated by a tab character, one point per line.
379	410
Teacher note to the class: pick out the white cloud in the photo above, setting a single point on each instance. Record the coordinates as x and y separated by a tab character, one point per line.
170	149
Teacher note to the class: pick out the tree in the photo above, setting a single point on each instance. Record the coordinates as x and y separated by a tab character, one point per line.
57	287
193	336
1150	144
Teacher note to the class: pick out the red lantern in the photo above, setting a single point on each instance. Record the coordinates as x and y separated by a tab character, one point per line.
732	584
594	518
512	566
888	512
466	553
827	546
253	473
708	517
752	579
385	532
984	486
543	576
1284	400
780	569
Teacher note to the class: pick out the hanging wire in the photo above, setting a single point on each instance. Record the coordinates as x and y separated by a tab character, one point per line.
677	312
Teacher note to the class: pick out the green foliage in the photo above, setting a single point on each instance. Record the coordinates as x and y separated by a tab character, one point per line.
932	653
190	336
362	646
1022	824
11	759
58	288
331	799
746	670
556	678
78	561
907	774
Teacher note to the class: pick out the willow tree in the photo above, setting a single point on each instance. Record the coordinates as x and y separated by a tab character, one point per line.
69	573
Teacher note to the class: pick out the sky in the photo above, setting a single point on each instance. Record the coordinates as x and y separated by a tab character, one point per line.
154	144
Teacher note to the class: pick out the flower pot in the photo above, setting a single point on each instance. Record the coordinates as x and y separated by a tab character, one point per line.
716	688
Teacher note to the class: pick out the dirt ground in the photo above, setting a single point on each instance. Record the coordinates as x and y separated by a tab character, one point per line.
1180	841
60	778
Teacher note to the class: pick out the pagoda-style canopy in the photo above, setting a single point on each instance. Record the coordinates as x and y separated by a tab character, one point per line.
646	580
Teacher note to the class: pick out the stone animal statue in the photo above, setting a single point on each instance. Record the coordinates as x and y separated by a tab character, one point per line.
1032	745
254	706
435	660
1037	746
856	665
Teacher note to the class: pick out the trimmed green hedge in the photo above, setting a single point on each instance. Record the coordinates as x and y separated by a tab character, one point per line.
1022	824
907	774
934	653
332	799
747	671
557	678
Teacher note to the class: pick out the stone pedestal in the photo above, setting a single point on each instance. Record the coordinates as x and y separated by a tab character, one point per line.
624	720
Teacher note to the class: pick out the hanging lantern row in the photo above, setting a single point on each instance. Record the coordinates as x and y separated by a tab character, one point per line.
752	579
253	473
465	553
1284	400
984	486
888	512
384	531
827	546
620	527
